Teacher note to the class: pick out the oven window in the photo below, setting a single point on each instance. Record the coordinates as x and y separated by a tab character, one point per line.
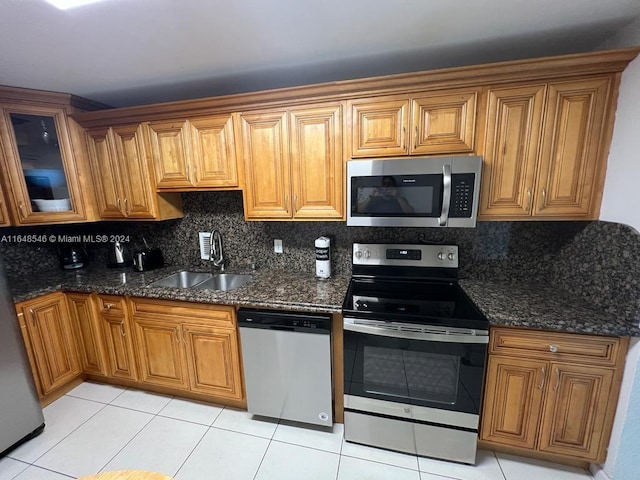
434	374
396	196
431	377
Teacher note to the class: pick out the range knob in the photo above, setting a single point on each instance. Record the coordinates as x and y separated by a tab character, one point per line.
358	254
451	256
442	256
367	254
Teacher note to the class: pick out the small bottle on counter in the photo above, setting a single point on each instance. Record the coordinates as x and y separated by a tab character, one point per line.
323	257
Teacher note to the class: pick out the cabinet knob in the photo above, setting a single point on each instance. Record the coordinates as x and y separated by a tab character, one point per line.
553	348
108	306
528	209
21	207
544	198
415	140
542	379
126	208
122	332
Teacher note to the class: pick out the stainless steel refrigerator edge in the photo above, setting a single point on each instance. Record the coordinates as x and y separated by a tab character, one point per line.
20	412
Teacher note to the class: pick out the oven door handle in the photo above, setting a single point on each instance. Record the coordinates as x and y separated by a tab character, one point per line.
446	195
433	337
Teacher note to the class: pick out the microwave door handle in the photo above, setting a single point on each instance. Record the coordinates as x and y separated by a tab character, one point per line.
446	195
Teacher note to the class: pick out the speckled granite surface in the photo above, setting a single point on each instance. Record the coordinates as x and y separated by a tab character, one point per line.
269	288
542	306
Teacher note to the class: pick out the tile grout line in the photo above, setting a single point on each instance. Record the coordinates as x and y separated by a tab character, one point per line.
138	432
264	455
499	465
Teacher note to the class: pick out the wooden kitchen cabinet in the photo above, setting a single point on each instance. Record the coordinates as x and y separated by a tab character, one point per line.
43	164
83	315
293	163
5	220
544	150
198	153
51	341
122	178
552	393
439	122
114	319
188	346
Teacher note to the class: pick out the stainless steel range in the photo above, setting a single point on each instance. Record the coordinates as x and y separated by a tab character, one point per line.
414	352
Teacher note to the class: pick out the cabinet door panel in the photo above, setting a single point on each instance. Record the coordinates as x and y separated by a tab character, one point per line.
575	411
317	162
160	352
41	163
214	153
380	127
117	337
136	177
571	150
443	123
170	150
513	398
213	361
90	349
54	349
106	177
514	118
266	158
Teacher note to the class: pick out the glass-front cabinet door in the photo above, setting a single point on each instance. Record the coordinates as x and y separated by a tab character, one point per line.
40	164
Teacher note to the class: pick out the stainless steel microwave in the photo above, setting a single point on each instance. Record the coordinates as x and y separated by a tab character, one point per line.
414	192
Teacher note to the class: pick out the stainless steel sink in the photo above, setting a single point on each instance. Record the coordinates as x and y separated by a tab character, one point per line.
224	281
183	279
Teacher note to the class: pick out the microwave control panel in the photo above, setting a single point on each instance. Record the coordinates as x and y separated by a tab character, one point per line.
461	195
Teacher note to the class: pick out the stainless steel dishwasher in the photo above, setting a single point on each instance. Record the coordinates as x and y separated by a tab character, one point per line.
287	364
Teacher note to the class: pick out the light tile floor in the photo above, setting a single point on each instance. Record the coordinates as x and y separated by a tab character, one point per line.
102	428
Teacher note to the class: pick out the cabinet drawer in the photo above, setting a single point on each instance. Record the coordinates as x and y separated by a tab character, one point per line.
112	304
221	315
567	347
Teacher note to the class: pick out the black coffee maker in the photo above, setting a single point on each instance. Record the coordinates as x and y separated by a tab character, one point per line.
72	256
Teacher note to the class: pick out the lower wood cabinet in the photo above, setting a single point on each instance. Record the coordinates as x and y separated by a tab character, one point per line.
188	345
552	393
50	341
116	330
88	335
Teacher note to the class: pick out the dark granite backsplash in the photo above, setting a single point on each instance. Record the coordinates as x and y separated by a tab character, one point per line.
598	258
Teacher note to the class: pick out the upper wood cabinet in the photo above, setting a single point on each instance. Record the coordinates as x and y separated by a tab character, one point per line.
545	150
43	164
51	340
439	122
293	163
5	220
198	153
123	182
554	393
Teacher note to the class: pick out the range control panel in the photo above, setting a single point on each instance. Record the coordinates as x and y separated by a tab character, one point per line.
409	255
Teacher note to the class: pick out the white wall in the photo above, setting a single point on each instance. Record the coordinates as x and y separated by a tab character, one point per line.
621	188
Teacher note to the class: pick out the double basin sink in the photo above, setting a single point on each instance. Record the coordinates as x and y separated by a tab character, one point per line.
202	281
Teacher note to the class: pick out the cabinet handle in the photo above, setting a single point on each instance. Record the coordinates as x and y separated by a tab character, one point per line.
122	332
553	348
555	387
33	316
544	198
118	203
177	335
126	207
21	207
404	136
415	140
543	378
528	209
108	306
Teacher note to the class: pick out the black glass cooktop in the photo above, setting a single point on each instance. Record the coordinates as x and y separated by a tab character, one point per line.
415	301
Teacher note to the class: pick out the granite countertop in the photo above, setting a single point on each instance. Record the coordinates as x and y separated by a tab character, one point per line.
518	304
542	306
289	290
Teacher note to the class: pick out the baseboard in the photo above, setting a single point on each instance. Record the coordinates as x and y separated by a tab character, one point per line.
598	472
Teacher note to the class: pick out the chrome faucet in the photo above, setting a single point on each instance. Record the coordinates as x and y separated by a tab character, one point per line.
216	254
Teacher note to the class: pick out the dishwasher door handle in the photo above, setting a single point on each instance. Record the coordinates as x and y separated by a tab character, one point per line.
280	327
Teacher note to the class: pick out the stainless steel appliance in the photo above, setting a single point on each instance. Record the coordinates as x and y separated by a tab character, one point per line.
20	413
72	256
415	192
119	256
414	352
287	364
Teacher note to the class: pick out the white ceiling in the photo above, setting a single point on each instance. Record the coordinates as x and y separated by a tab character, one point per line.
127	52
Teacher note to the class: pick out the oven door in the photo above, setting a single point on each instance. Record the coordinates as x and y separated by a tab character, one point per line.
437	370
